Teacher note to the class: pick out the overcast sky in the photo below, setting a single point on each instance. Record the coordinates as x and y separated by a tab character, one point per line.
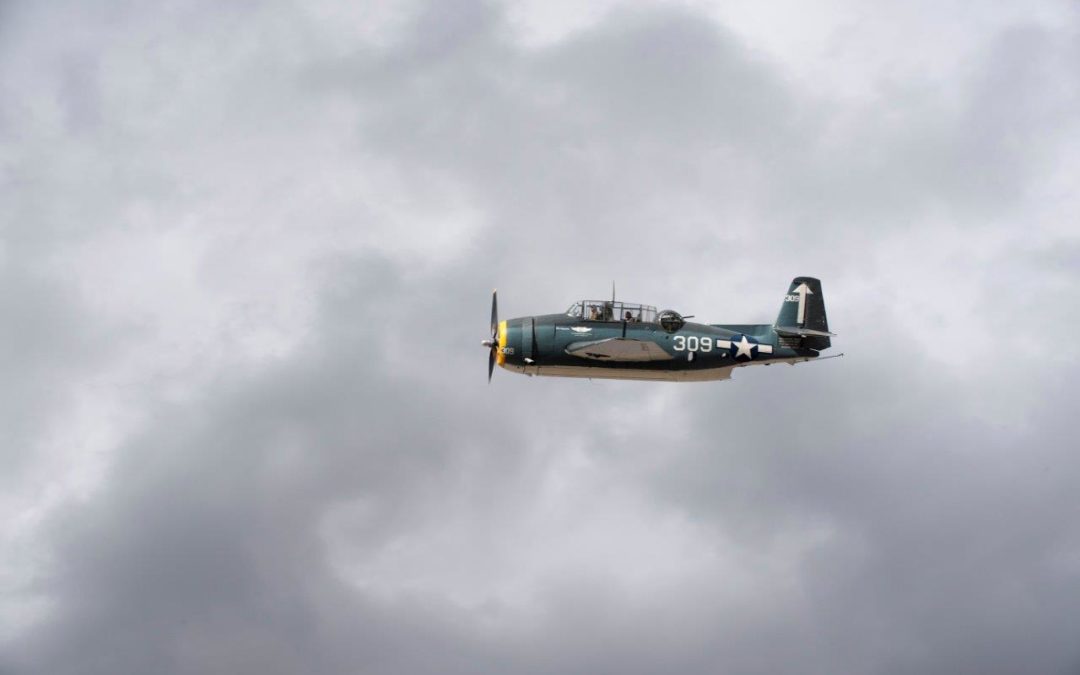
246	256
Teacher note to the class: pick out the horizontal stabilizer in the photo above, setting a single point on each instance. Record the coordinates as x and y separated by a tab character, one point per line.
795	331
618	349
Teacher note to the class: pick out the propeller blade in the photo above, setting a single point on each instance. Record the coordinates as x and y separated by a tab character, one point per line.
493	343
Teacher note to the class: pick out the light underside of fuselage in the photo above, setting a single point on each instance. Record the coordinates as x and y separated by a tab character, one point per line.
651	375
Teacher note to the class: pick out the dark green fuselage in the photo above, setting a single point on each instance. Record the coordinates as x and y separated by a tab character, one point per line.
538	346
602	339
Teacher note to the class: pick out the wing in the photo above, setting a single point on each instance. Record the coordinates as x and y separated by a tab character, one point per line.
619	349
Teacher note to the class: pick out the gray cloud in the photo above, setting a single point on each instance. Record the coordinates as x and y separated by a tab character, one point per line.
41	351
267	235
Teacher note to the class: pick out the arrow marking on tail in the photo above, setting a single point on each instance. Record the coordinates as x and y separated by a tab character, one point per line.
803	290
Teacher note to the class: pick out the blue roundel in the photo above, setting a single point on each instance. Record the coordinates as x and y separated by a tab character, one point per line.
743	347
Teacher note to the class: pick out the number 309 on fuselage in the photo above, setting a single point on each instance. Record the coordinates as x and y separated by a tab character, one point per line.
621	340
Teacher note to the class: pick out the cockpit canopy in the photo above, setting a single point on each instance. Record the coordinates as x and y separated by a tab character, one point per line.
606	310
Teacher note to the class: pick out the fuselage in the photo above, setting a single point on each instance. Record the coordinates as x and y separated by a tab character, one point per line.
558	345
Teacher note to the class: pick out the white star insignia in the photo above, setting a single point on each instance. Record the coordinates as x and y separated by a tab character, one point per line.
743	346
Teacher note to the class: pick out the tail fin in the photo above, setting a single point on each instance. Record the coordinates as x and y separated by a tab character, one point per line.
802	321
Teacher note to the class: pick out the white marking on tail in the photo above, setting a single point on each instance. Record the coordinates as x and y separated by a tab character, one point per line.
803	290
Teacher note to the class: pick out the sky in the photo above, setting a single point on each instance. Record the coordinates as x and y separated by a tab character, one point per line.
246	257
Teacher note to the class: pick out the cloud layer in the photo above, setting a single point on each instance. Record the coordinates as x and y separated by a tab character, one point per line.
246	256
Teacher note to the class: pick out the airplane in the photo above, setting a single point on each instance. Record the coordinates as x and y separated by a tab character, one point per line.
627	341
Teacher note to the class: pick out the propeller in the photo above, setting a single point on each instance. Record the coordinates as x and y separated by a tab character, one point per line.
493	342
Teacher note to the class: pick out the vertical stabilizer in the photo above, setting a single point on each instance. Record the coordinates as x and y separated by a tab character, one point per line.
802	314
